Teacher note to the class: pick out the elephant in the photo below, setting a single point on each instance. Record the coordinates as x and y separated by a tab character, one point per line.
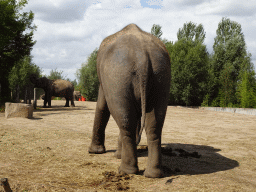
57	88
77	95
134	72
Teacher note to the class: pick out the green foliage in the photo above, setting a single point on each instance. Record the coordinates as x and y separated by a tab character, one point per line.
88	78
205	102
2	108
74	82
189	67
57	98
247	88
16	32
192	32
227	62
227	90
54	74
20	73
156	31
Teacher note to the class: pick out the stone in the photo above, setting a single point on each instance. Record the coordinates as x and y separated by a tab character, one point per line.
18	110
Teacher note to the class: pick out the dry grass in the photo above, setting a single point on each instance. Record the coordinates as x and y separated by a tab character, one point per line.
49	152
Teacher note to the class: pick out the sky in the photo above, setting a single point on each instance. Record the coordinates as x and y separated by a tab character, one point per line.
68	31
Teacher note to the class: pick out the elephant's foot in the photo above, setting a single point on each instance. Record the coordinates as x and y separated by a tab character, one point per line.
128	170
98	149
117	154
72	105
153	173
66	106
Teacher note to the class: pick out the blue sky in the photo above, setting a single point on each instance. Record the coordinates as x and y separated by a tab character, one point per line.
69	30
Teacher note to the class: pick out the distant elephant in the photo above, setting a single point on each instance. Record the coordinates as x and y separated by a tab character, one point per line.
134	72
57	88
77	95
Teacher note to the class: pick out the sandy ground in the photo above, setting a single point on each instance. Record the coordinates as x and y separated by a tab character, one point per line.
49	152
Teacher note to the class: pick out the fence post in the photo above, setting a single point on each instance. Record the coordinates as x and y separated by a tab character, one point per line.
34	102
5	184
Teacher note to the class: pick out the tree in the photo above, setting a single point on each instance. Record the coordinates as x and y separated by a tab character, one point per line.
228	58
246	91
192	32
156	31
16	32
88	78
19	77
54	74
189	65
74	82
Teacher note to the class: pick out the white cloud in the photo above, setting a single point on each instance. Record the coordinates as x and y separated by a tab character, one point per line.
58	11
227	8
69	30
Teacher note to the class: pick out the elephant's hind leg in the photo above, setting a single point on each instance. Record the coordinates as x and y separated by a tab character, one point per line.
119	144
126	117
72	102
153	128
102	115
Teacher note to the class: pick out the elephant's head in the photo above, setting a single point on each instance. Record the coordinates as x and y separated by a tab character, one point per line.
33	78
39	82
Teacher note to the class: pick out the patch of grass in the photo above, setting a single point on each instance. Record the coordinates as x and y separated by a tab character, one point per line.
2	108
57	98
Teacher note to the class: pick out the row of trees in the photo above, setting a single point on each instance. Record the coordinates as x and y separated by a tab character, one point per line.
16	42
225	78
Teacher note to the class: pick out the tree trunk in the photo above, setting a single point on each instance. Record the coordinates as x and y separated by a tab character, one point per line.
5	90
17	93
35	102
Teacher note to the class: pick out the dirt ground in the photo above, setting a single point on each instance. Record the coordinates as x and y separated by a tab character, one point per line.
202	151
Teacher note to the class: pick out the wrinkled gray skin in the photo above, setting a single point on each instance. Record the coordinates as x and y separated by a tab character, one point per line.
134	74
57	88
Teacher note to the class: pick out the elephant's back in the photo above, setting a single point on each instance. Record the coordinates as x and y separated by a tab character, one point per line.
147	40
129	51
62	87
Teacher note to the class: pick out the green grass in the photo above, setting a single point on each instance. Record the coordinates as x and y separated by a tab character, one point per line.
57	98
2	108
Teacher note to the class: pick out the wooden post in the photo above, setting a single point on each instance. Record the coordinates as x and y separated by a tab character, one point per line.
26	96
5	184
34	102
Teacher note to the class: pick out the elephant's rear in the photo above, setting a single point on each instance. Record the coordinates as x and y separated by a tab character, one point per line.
134	73
63	88
136	64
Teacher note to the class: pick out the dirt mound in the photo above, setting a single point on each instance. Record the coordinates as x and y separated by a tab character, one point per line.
115	182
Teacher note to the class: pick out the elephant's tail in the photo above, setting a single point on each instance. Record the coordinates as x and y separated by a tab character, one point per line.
143	88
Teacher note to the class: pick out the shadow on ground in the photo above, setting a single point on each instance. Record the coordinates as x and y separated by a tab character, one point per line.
40	111
188	159
60	108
